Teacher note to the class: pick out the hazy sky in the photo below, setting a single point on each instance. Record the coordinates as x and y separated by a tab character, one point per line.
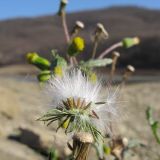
27	8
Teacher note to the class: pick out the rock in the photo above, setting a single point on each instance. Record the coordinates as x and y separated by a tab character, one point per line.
16	151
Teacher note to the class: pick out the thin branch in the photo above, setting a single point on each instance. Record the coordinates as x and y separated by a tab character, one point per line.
108	50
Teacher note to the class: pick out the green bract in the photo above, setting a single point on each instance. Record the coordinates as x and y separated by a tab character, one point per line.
81	117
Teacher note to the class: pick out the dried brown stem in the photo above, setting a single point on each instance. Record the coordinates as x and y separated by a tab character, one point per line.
81	145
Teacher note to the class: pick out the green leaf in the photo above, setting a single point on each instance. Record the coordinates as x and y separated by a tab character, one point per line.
97	63
53	154
58	60
154	124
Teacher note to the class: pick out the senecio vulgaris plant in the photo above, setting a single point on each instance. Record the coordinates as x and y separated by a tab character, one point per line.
76	92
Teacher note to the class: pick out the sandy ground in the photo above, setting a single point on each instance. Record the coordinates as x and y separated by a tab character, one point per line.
20	104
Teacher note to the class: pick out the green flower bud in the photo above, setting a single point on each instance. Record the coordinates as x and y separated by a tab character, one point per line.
130	42
38	61
44	76
76	47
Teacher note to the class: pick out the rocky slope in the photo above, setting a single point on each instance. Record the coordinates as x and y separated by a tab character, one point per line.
19	36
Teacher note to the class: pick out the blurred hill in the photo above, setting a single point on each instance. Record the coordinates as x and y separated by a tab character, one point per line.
19	36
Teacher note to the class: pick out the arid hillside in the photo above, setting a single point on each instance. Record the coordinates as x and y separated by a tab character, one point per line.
19	36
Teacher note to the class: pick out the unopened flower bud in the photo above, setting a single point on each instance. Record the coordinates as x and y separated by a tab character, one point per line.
31	57
76	47
38	61
44	76
130	42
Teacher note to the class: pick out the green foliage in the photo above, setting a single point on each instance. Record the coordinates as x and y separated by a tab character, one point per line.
153	124
57	60
96	63
53	154
72	117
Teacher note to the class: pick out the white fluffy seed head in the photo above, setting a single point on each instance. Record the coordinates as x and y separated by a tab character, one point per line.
74	84
110	111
